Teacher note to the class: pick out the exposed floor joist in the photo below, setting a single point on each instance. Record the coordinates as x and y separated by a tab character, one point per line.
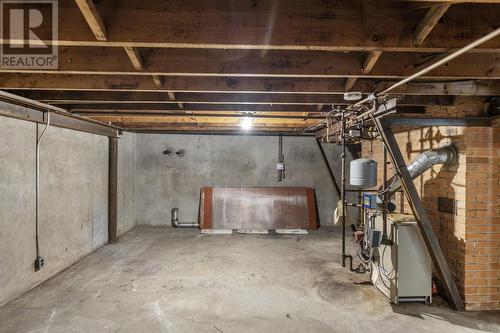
196	25
69	97
201	63
422	31
41	82
264	57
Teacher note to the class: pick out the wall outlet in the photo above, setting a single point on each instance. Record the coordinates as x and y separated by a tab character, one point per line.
39	263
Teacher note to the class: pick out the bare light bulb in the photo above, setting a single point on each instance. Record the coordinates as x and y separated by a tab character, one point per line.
246	123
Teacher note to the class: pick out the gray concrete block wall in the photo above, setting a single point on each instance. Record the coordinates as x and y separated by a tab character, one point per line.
164	182
73	202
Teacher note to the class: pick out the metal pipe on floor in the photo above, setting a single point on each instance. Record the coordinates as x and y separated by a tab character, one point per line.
112	189
175	220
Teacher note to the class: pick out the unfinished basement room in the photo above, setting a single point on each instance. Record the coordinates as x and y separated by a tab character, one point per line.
249	166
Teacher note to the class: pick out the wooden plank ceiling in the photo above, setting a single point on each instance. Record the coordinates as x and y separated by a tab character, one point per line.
204	65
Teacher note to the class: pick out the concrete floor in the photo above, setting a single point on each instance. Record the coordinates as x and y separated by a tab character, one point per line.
176	280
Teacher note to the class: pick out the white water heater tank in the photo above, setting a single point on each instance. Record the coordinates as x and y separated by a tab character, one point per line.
363	173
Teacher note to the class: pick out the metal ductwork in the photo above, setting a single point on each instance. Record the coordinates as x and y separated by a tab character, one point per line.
177	224
423	162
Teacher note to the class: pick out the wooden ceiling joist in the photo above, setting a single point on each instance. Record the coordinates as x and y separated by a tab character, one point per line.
334	26
42	83
204	63
231	64
424	28
121	108
69	97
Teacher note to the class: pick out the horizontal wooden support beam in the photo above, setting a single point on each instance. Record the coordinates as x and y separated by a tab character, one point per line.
67	121
453	1
206	127
239	85
230	109
167	119
215	126
260	115
84	108
70	97
298	25
225	131
275	64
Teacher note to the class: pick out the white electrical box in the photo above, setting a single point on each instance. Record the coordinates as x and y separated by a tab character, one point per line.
402	271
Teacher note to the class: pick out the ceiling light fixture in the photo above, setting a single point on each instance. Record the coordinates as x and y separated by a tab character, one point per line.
246	123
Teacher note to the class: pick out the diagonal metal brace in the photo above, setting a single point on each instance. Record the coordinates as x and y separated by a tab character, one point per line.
423	222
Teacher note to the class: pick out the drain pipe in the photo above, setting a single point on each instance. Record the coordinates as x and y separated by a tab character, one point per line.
423	162
39	261
177	224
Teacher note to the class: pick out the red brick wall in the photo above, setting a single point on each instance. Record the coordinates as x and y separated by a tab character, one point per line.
469	238
482	229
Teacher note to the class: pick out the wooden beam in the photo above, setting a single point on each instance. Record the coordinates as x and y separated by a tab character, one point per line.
93	18
158	81
211	128
234	64
135	57
230	121
180	115
259	47
67	83
193	108
71	98
200	26
370	61
349	83
171	95
453	1
424	28
430	20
